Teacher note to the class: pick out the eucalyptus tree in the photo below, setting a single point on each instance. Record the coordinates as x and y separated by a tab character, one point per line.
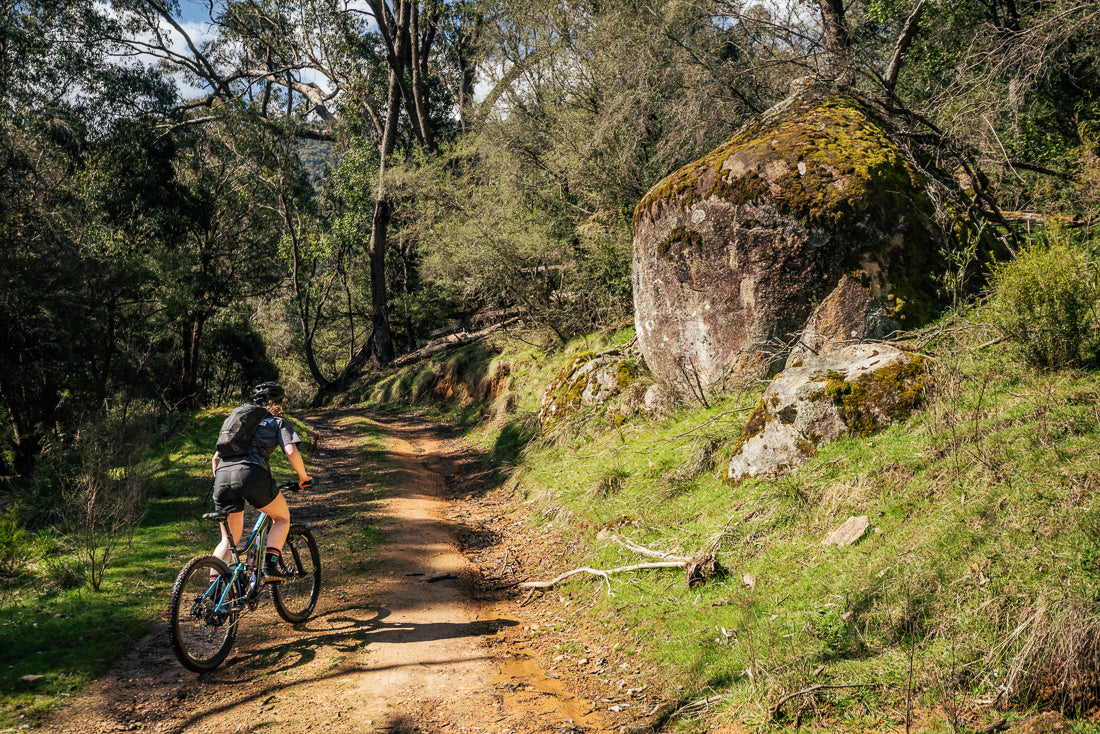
60	103
370	66
587	105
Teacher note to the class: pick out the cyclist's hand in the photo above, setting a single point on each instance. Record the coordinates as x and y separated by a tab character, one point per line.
305	483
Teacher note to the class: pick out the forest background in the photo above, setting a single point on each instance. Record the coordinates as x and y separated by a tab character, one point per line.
313	186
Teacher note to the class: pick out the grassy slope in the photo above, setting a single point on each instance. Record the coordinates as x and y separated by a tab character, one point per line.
979	575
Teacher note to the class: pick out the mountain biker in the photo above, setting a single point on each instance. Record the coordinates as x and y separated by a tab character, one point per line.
248	477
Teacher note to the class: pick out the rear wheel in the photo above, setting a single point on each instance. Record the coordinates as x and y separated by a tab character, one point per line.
201	636
296	596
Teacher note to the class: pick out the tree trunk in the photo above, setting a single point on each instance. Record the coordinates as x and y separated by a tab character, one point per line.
905	39
188	398
836	40
381	339
382	346
26	441
415	65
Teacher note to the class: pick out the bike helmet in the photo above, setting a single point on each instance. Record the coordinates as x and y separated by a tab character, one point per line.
268	392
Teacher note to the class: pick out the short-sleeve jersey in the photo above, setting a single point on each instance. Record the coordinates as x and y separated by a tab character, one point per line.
273	431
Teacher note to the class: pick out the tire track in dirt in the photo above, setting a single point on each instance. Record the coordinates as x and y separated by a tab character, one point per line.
399	642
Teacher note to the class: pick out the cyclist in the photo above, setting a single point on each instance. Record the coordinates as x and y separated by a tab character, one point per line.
248	477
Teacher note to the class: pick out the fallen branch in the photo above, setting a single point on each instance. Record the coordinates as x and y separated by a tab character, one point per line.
598	572
813	689
449	343
701	425
697	570
649	552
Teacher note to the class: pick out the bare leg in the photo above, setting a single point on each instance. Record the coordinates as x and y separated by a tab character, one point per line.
236	526
279	513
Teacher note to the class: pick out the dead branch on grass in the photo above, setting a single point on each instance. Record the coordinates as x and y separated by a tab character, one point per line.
701	425
697	569
775	710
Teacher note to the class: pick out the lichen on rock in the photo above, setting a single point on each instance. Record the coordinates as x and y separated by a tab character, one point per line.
588	379
856	390
733	252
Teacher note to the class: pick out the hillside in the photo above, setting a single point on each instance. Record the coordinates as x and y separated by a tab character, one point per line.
971	599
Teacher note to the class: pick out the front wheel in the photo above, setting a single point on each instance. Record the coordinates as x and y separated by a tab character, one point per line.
201	635
296	596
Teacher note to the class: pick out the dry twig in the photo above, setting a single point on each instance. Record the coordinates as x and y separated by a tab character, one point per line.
813	689
697	569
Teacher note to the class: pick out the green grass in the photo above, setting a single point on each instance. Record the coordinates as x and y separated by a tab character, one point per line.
984	537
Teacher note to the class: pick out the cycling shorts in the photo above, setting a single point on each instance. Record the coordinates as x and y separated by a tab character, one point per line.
235	483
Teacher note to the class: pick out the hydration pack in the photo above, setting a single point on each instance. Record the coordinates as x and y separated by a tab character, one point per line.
235	438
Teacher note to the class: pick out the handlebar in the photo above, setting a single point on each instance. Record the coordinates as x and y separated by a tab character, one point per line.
292	485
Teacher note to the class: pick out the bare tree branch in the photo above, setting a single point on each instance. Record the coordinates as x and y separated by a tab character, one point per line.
905	38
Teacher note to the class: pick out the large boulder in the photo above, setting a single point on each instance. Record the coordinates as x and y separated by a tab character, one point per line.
733	252
854	390
850	314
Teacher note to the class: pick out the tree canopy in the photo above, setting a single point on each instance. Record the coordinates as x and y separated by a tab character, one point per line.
342	180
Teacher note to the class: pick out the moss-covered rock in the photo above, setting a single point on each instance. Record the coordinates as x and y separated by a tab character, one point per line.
855	390
736	249
587	379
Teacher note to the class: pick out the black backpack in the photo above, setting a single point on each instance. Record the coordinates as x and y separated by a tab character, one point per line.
235	438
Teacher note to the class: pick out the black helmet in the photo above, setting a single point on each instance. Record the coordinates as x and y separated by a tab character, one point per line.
268	392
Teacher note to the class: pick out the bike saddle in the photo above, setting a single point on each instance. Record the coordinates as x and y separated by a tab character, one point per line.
215	516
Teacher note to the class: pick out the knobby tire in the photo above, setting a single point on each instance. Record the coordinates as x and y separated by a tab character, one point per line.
296	596
201	639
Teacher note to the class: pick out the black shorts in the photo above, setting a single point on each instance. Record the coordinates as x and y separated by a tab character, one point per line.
235	483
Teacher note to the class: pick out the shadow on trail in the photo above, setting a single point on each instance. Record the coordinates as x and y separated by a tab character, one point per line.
475	473
344	634
348	634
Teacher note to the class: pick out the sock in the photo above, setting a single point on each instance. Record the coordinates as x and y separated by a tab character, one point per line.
272	556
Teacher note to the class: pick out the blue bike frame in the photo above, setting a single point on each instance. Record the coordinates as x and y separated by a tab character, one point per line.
244	577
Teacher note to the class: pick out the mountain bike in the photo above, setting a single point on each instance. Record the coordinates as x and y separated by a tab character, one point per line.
210	596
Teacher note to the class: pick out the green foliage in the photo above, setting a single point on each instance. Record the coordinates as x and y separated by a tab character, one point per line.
1045	303
234	359
15	544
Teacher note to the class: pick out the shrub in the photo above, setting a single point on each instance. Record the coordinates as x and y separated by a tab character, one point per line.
105	499
15	544
1045	304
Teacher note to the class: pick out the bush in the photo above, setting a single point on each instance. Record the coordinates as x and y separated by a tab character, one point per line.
1045	304
105	499
15	544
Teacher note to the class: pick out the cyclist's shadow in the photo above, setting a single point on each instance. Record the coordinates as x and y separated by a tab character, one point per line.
342	632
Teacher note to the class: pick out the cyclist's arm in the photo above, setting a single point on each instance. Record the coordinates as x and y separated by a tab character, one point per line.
294	456
215	462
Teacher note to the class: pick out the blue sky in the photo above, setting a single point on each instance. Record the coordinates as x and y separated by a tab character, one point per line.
193	11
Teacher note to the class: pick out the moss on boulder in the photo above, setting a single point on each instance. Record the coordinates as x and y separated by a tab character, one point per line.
857	390
735	250
587	379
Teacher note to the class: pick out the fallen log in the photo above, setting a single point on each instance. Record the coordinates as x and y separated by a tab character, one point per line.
450	343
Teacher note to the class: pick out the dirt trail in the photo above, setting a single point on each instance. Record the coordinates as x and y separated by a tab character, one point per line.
403	640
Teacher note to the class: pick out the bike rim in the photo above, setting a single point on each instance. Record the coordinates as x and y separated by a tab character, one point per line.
201	629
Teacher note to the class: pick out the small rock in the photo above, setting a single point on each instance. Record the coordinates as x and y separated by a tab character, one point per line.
848	533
